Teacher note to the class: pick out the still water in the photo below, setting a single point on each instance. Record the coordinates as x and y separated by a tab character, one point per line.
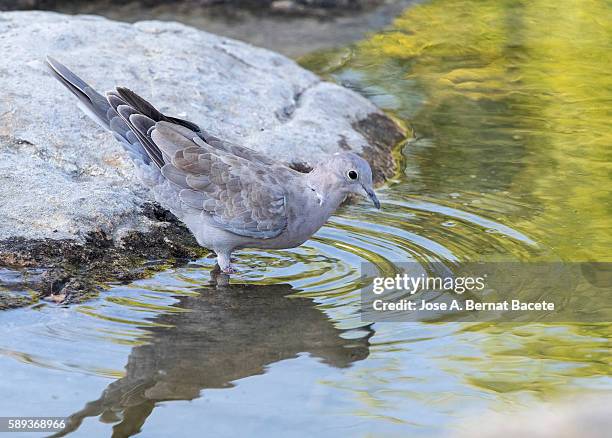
509	103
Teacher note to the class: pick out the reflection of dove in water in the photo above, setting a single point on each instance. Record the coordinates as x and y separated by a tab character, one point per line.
229	196
216	341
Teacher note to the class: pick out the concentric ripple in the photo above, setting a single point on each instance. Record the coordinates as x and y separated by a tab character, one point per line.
327	269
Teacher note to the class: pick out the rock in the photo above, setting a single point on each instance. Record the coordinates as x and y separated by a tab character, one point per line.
66	183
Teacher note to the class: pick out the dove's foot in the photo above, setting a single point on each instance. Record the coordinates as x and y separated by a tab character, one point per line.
218	278
224	262
229	270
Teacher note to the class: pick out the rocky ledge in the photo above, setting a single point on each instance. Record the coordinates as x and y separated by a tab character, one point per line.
73	213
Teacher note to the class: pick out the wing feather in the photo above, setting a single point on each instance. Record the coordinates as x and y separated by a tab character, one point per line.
241	196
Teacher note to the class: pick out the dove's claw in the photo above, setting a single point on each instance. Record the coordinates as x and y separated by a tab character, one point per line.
229	270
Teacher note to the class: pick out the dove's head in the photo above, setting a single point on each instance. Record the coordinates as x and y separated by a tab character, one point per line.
352	174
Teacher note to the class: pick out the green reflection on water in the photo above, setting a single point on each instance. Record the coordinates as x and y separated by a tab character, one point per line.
510	102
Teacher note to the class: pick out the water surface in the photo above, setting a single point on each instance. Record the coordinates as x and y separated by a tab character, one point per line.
509	103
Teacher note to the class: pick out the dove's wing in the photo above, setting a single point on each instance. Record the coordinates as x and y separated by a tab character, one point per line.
241	196
242	191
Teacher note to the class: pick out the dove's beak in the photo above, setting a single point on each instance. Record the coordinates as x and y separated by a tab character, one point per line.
372	196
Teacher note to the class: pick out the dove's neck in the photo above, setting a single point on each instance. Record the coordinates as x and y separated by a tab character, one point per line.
312	204
327	190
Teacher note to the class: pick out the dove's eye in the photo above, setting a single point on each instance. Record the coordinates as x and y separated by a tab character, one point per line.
352	174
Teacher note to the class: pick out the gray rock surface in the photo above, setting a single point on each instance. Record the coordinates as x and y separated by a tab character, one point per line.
63	177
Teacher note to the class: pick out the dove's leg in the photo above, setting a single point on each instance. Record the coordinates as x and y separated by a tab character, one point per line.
225	262
218	278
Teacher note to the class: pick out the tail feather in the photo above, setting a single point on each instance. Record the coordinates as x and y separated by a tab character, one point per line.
146	109
139	104
92	102
116	110
126	112
127	115
102	111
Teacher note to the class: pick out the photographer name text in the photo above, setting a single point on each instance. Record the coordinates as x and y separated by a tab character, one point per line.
380	305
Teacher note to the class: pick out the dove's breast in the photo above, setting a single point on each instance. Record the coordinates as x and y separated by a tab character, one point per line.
307	212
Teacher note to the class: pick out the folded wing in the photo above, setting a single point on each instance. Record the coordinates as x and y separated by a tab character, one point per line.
238	189
241	196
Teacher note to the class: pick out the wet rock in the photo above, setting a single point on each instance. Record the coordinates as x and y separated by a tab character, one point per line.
11	301
382	135
76	271
70	200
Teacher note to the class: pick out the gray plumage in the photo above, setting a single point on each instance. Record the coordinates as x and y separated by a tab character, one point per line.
228	195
